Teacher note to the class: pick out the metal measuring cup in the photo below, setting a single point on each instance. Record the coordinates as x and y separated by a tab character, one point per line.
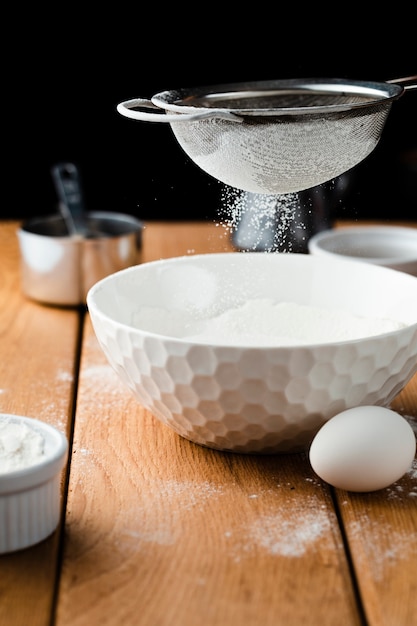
59	268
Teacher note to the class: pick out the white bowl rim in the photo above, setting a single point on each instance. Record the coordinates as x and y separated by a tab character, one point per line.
337	259
333	235
47	467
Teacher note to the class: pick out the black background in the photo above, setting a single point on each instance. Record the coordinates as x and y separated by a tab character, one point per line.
66	72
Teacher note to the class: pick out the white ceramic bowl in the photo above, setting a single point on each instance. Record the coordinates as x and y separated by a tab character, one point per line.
30	494
390	246
246	396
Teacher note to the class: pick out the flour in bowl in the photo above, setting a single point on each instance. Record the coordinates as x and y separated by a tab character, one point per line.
264	322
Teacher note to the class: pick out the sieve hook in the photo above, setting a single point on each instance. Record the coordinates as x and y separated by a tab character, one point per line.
126	108
405	79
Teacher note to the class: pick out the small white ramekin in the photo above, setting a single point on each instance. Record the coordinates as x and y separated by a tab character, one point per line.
30	497
390	246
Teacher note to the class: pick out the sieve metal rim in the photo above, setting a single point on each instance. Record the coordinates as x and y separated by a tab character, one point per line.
198	100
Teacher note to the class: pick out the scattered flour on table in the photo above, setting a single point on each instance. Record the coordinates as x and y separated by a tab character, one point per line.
179	497
279	534
101	388
265	322
274	531
398	545
412	472
402	489
54	406
20	446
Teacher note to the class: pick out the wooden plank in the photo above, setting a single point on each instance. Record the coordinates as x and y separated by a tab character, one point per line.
161	531
38	350
382	532
381	528
167	239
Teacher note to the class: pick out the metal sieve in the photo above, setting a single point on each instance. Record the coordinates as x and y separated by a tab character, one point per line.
275	137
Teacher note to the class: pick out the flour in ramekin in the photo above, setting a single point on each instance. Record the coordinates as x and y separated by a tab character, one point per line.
20	446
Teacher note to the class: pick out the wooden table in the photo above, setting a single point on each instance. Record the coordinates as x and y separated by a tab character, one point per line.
157	531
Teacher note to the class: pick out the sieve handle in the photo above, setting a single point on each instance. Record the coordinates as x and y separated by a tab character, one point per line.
125	108
405	79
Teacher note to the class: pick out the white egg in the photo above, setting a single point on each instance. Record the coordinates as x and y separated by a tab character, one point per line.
365	448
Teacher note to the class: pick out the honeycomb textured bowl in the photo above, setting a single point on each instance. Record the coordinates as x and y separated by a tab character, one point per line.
252	398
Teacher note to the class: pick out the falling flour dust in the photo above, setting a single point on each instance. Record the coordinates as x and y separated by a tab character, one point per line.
262	214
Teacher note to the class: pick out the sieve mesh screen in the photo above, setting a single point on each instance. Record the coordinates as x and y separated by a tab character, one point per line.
278	155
